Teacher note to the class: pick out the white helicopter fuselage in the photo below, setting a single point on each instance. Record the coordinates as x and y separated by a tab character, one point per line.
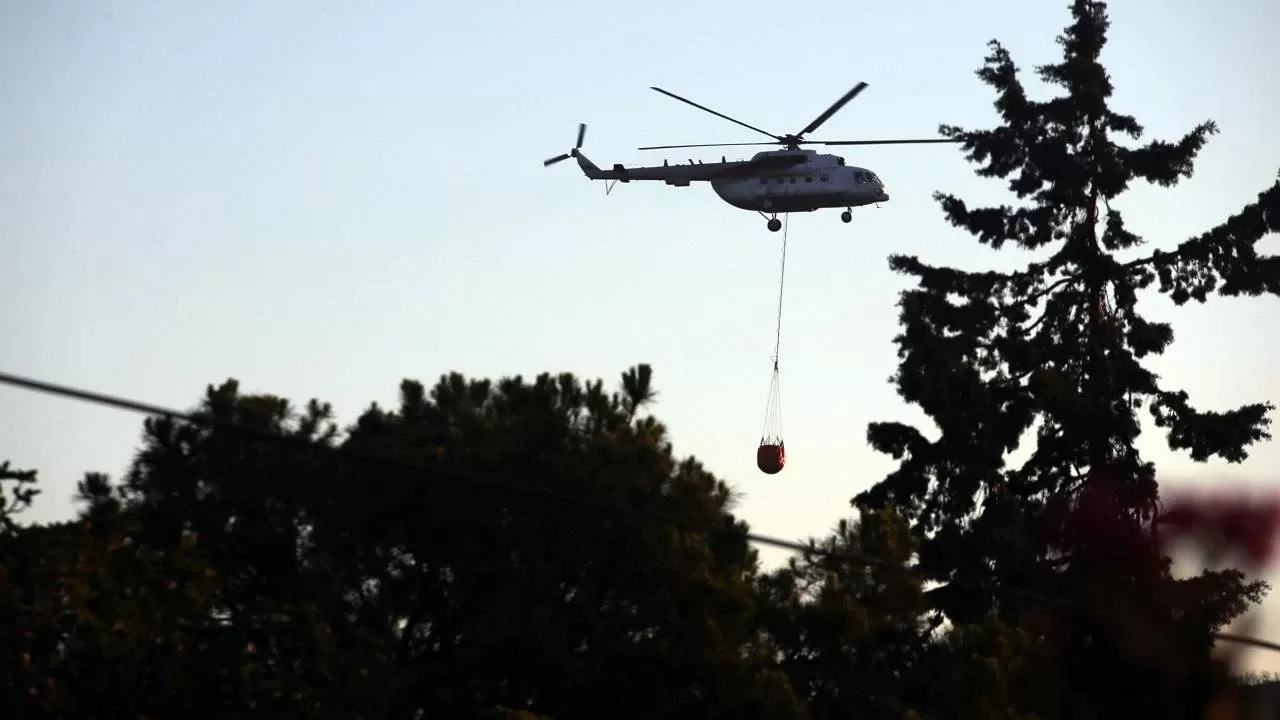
822	181
771	183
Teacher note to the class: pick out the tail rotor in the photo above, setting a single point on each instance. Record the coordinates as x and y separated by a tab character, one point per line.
582	132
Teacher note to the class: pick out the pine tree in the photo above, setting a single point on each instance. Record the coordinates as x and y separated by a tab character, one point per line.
1057	348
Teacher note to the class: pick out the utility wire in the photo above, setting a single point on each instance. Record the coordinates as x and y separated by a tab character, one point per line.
438	473
809	548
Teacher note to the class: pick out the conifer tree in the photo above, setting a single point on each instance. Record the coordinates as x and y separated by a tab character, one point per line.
1056	349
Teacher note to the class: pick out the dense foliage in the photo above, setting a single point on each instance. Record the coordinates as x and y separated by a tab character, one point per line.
536	549
486	549
1055	352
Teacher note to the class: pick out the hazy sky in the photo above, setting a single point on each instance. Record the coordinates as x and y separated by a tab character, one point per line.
322	198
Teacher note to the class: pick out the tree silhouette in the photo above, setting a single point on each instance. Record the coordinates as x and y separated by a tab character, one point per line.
437	547
95	623
848	621
17	491
1057	347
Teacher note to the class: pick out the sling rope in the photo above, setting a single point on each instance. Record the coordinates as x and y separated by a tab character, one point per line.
782	277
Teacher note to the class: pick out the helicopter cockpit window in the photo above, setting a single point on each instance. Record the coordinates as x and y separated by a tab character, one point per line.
859	177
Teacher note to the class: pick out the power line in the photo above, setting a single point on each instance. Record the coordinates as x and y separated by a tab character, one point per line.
440	474
810	548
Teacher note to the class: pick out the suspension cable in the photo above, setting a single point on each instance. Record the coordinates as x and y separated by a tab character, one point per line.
782	277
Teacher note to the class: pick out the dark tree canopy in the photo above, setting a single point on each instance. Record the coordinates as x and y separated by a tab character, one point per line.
482	592
1056	349
535	549
486	545
503	549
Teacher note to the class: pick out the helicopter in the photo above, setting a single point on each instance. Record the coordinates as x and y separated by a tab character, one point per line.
788	180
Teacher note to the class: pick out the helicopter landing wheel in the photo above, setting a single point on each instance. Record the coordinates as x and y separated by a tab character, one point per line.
846	216
774	225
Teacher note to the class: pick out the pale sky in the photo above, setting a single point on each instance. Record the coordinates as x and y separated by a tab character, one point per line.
323	198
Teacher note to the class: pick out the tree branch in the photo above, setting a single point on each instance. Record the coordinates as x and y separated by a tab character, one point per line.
1206	434
1224	258
1164	163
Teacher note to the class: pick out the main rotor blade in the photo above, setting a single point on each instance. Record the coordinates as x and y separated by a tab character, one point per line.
675	147
835	107
556	159
582	132
713	112
882	142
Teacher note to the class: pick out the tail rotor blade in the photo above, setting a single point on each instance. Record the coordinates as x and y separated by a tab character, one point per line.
582	133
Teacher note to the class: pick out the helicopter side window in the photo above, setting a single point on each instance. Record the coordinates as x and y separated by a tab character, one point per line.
823	178
808	178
